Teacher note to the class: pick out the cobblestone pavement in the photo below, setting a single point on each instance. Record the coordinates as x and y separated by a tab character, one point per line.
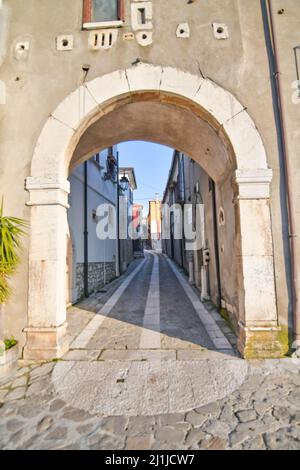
56	405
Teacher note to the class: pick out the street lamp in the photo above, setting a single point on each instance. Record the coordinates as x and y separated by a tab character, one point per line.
124	183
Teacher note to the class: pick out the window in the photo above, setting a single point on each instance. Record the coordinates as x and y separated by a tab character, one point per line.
102	13
97	158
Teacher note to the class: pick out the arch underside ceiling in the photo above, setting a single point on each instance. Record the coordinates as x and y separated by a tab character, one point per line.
165	124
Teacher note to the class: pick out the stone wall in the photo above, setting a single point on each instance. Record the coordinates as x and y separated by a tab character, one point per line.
99	274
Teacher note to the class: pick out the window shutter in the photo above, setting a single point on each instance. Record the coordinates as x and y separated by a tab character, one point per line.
121	10
87	11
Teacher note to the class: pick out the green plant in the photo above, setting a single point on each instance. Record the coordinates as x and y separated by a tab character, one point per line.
11	231
10	343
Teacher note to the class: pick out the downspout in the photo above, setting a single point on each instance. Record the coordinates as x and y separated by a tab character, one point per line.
216	242
182	221
276	78
86	233
118	257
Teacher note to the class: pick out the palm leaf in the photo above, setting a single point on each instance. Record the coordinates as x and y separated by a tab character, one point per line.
12	229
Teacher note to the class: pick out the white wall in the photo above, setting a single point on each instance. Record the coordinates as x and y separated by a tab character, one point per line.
100	191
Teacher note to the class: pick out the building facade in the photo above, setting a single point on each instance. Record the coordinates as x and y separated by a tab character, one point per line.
92	261
194	206
128	185
154	225
202	77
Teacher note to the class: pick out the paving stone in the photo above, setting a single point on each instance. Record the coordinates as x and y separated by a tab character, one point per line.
217	428
196	419
139	442
14	425
160	445
20	381
56	405
268	419
74	414
227	415
113	424
57	434
170	419
30	410
282	439
73	446
15	439
210	410
213	443
45	423
86	429
194	437
37	387
262	407
105	442
170	435
22	371
16	394
282	413
245	416
41	371
3	394
257	443
250	430
294	398
82	355
29	443
8	409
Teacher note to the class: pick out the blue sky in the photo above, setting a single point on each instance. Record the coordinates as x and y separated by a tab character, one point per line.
151	163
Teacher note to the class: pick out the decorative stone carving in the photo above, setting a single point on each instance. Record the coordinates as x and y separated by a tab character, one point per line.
128	36
141	15
21	50
102	39
183	31
144	38
220	31
65	42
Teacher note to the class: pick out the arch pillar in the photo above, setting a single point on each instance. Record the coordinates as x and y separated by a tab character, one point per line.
47	327
259	332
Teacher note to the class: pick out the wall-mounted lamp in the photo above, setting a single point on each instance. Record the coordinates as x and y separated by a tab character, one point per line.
297	63
124	183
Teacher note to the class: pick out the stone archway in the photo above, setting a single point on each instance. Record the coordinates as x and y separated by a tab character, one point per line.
238	153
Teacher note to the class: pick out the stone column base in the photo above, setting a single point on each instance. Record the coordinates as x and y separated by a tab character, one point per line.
46	343
262	342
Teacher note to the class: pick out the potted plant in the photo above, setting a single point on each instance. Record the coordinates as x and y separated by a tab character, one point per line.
12	229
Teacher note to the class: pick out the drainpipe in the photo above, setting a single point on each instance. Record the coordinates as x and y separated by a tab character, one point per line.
216	242
86	233
118	257
276	78
184	191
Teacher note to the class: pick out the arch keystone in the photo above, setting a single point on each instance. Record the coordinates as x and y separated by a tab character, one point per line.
180	83
144	77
